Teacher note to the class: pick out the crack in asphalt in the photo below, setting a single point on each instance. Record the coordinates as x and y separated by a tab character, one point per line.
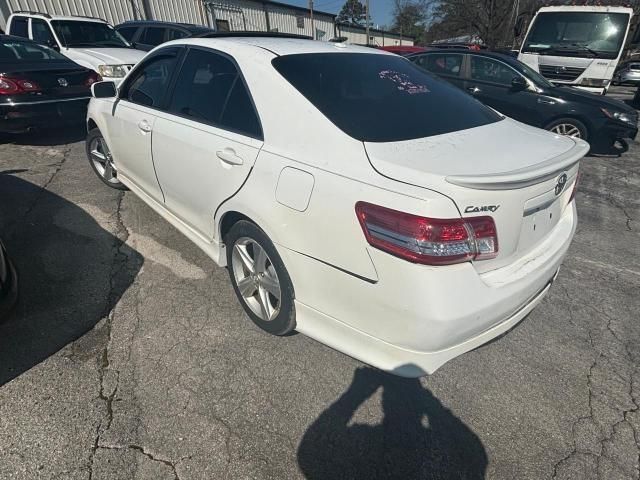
153	457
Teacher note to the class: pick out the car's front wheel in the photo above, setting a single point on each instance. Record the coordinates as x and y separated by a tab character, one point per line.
101	161
260	279
569	127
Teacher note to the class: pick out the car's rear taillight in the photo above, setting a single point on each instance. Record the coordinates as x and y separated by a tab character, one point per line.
7	87
13	86
92	78
429	241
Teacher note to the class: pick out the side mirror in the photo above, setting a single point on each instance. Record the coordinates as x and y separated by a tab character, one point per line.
104	90
518	84
52	44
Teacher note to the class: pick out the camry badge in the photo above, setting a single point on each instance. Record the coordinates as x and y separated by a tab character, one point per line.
63	82
561	183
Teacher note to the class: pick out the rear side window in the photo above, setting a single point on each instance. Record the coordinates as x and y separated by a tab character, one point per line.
19	27
381	98
127	32
149	84
175	34
442	63
152	36
210	90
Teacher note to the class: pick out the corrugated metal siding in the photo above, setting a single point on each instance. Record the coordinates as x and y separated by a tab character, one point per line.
359	36
241	14
286	21
184	11
113	11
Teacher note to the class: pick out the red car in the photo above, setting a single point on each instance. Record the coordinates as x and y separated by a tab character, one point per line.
403	49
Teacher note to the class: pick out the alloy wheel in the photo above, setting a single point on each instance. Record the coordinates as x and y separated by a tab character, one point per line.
567	129
102	160
256	278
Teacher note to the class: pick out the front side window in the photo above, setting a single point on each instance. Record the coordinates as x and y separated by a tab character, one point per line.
488	70
581	34
381	98
76	33
19	27
210	90
152	36
127	32
41	32
442	63
149	84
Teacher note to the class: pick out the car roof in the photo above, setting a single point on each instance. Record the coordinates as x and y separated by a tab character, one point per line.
279	45
187	26
46	16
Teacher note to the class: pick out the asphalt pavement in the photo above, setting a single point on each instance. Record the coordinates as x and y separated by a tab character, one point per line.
128	356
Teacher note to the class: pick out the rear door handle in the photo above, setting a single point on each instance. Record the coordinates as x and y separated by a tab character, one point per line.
474	89
228	155
144	126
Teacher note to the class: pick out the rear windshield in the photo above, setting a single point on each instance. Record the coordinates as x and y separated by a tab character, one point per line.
14	50
381	98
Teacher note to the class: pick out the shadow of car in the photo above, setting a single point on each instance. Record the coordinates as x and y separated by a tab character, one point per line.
72	273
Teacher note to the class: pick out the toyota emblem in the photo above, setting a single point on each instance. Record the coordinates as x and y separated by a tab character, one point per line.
63	82
561	183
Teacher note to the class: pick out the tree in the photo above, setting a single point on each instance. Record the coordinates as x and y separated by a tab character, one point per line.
353	13
410	16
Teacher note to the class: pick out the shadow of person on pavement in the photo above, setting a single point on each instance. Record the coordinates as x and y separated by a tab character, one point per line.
71	273
418	438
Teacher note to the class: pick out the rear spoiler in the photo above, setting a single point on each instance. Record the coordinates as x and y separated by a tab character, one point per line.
524	177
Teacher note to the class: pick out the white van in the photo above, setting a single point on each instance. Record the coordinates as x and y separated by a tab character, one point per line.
89	42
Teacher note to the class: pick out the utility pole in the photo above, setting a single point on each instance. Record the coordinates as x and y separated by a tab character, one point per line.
367	19
313	34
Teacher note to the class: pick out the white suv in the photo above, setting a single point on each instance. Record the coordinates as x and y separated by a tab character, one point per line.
89	42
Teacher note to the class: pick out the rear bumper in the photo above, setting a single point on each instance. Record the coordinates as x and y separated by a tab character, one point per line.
416	318
19	117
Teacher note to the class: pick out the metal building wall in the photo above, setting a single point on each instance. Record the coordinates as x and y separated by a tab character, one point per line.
382	39
113	11
286	21
184	11
241	14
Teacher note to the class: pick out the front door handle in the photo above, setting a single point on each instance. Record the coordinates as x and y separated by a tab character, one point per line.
228	155
144	126
474	89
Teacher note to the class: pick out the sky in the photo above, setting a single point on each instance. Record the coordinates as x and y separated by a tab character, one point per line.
381	10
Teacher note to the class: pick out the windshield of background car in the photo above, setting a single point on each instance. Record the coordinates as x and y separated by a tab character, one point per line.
12	50
381	98
74	34
577	34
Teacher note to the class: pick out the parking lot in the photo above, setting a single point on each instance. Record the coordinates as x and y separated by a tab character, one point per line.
128	355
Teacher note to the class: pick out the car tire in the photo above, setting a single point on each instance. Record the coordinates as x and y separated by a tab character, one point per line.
571	126
258	274
99	157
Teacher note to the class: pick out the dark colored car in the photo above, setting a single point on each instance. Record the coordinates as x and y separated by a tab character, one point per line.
8	283
517	91
146	35
39	87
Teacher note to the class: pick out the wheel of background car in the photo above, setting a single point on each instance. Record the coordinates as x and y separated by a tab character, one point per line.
260	279
100	160
569	127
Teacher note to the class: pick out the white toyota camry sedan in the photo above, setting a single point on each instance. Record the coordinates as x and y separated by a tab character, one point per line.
352	196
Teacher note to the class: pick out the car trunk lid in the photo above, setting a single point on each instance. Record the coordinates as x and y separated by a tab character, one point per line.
517	183
55	81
